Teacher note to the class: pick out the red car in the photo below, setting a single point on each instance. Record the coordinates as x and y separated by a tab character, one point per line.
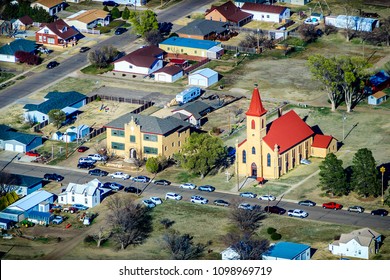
82	149
332	205
32	154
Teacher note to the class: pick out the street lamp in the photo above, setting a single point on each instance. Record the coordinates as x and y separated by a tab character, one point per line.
382	170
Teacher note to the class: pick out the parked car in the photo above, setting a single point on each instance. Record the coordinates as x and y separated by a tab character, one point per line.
142	179
332	205
246	206
114	186
82	149
379	212
98	172
305	161
52	64
120	30
71	210
110	3
57	220
188	186
148	203
275	210
206	188
356	208
307	203
87	160
248	194
80	207
97	157
174	196
267	197
85	165
32	154
84	49
221	202
53	177
297	213
132	190
162	182
156	200
199	199
119	175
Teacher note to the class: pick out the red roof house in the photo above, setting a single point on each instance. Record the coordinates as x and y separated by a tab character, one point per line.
57	33
323	144
168	74
269	13
228	12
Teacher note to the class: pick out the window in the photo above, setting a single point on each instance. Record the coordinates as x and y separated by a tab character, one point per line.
117	132
86	201
165	148
131	66
50	41
72	198
253	150
173	144
46	31
150	151
117	146
168	48
179	144
150	137
85	194
73	192
268	160
262	123
195	51
253	124
132	138
62	198
40	38
267	16
181	50
243	156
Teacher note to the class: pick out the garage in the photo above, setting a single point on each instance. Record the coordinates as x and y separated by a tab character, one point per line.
204	78
161	78
169	74
9	147
19	148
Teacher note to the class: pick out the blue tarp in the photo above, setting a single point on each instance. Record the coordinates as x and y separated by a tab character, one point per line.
379	78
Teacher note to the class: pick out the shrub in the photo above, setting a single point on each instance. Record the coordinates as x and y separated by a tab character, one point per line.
276	236
26	57
271	230
89	239
104	29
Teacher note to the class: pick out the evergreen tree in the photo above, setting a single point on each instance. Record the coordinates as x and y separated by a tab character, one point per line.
144	22
105	8
152	165
126	14
115	13
365	175
332	176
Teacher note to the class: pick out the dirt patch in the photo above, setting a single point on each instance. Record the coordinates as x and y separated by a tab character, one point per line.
222	68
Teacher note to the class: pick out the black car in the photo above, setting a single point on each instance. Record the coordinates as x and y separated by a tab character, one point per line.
110	3
307	203
120	30
84	49
162	182
132	190
52	64
221	202
98	172
275	210
206	188
85	165
53	177
379	212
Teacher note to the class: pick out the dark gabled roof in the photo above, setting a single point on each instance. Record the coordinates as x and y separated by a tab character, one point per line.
143	57
272	9
56	100
61	29
150	124
18	45
26	20
203	27
230	11
170	70
195	108
8	133
23	180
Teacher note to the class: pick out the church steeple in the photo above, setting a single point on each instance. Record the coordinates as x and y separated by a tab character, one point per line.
256	108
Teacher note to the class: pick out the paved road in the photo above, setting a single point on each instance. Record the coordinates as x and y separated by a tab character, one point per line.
315	213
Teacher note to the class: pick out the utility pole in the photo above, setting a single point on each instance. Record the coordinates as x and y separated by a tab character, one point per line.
52	151
382	170
237	177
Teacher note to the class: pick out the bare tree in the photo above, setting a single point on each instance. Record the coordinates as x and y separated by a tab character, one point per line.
182	247
138	162
101	57
247	220
153	37
307	32
8	183
101	236
130	221
248	246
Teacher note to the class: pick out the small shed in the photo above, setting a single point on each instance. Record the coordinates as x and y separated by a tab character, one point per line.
69	137
57	136
323	145
377	98
169	74
81	131
203	77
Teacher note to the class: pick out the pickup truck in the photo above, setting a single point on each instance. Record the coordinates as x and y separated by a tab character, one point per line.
297	213
98	157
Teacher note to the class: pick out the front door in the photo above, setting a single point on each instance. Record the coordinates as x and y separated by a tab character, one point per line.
133	153
254	170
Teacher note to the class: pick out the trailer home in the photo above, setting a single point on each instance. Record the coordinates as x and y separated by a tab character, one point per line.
188	94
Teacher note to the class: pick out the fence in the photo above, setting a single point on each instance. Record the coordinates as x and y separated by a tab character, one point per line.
122	99
197	65
90	31
97	132
238	49
39	126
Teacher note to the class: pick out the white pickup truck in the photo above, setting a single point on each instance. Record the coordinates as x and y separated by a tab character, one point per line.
98	157
297	213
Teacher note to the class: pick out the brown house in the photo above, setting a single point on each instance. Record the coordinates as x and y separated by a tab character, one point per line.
56	33
228	12
23	23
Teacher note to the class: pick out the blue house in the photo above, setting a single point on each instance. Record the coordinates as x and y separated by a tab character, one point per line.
287	251
68	102
12	140
24	185
7	52
81	131
377	98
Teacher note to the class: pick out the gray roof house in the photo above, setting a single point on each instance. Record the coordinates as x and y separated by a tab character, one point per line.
24	185
203	29
68	102
12	140
192	112
7	52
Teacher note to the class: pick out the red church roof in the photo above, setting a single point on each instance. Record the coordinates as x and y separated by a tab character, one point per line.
256	108
321	141
287	131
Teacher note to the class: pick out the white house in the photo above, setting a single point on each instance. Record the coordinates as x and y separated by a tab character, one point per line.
268	13
145	61
50	6
168	74
377	98
361	243
88	19
80	131
23	23
57	136
229	254
287	251
88	194
203	77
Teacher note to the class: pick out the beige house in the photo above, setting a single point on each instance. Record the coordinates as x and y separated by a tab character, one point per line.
88	19
138	136
50	6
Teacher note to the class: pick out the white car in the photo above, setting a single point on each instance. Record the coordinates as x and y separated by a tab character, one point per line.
199	199
98	157
174	196
297	213
156	200
305	161
188	186
267	197
120	175
246	206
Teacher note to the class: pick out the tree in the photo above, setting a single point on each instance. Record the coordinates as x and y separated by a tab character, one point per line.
333	178
126	14
57	116
182	247
201	153
102	57
101	236
307	33
130	221
247	220
40	15
106	9
152	165
26	57
115	13
153	37
384	30
248	246
143	22
8	182
365	176
325	70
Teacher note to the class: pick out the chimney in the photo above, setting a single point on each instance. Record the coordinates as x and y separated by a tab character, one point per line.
279	112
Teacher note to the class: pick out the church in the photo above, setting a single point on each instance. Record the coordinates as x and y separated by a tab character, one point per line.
271	150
